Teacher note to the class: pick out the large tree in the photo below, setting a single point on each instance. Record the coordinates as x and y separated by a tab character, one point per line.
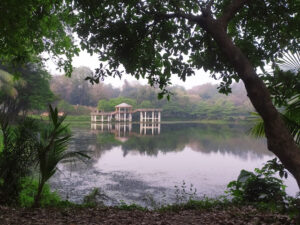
230	38
157	39
31	27
31	91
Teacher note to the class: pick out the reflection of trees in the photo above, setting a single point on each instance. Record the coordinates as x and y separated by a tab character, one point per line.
173	138
199	137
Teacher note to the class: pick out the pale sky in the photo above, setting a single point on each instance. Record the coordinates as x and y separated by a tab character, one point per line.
85	59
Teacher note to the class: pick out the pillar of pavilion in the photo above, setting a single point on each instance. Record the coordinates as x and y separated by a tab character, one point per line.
101	116
150	115
123	112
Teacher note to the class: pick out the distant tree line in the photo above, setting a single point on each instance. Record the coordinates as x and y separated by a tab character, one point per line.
200	102
30	90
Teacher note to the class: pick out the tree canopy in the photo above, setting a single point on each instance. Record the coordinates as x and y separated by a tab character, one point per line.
231	39
31	27
30	92
158	39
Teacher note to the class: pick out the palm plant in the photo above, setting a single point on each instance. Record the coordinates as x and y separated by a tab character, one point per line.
53	143
290	62
285	86
17	156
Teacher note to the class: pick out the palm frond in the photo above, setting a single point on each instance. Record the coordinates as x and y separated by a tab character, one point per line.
258	130
290	61
291	115
292	123
52	150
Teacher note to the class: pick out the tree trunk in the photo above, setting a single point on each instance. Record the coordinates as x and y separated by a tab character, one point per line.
37	198
279	139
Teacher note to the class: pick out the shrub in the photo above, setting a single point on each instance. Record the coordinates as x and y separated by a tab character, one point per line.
260	186
51	149
29	190
17	157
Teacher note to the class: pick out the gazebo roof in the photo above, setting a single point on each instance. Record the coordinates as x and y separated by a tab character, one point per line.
123	105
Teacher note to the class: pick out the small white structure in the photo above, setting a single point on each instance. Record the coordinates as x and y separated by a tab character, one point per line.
123	113
150	115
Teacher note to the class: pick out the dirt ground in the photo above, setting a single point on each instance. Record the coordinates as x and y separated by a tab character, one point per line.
74	216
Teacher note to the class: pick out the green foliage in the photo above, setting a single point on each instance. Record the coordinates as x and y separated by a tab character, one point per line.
94	198
107	140
284	87
76	91
124	206
69	109
211	138
156	40
90	199
258	130
82	118
28	144
30	92
206	203
1	142
284	81
8	85
29	189
109	105
17	157
65	106
31	27
51	150
291	118
191	104
260	187
52	145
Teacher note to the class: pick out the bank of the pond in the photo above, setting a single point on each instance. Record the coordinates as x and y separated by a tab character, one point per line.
87	119
108	215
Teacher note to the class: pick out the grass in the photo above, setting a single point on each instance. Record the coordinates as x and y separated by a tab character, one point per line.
29	189
206	203
87	119
52	199
124	206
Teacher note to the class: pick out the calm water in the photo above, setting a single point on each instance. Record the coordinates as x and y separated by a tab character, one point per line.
144	164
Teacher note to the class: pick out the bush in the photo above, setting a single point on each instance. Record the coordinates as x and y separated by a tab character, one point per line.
25	145
260	187
17	157
29	190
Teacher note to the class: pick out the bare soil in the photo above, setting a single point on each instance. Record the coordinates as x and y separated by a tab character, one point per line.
74	216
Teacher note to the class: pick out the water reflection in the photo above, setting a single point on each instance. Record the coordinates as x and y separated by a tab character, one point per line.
124	129
152	158
152	138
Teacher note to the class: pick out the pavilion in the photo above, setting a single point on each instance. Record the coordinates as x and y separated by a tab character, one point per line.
123	113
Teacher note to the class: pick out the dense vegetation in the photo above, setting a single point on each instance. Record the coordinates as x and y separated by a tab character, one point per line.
31	146
30	91
199	103
231	39
153	40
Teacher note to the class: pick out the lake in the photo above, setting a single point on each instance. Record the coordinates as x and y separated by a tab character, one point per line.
151	164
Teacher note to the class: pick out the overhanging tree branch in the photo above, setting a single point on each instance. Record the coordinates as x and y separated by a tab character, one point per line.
231	10
206	11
